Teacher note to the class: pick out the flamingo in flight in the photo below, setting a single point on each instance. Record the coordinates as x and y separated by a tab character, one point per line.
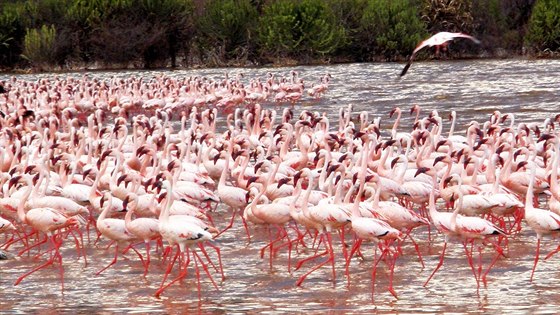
440	39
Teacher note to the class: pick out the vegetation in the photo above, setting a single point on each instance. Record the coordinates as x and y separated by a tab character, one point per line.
391	28
544	26
70	34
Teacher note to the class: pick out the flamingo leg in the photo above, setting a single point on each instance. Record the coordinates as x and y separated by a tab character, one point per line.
438	265
490	267
330	259
301	262
374	270
112	262
182	273
147	264
392	266
205	268
28	248
50	261
197	275
218	253
167	272
355	247
536	258
470	259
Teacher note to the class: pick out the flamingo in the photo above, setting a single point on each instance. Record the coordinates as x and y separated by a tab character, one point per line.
180	231
46	220
370	228
112	228
146	229
542	221
440	40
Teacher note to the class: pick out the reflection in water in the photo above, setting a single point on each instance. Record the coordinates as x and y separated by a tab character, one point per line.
474	89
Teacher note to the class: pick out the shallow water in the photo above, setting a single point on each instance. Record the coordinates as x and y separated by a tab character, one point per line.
529	89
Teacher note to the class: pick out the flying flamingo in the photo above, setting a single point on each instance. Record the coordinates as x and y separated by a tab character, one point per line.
440	40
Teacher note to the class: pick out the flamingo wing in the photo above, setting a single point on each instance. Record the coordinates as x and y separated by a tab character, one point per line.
423	44
462	35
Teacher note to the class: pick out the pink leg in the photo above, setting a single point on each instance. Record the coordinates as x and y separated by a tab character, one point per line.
48	262
438	265
301	262
536	258
112	262
205	268
167	272
147	264
218	253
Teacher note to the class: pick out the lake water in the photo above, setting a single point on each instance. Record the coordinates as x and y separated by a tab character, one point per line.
530	89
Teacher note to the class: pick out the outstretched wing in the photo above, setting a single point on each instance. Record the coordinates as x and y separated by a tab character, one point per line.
462	35
419	47
403	72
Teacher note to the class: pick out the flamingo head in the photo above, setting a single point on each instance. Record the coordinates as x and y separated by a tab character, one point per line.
217	157
125	203
283	181
440	158
395	161
29	169
162	197
546	137
388	143
251	180
521	165
421	170
121	179
13	181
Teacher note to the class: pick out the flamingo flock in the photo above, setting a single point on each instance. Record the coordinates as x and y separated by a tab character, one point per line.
146	163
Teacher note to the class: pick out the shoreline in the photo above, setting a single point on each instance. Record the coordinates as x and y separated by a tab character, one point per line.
284	64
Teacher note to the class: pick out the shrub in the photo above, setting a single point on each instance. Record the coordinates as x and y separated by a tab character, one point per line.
299	29
448	15
349	14
544	26
391	28
225	30
12	32
39	46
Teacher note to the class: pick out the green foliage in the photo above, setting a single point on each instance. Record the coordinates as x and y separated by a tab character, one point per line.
158	33
391	28
349	13
11	33
225	29
307	28
544	26
39	46
448	15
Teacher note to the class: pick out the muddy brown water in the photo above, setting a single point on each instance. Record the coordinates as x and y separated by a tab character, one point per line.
474	89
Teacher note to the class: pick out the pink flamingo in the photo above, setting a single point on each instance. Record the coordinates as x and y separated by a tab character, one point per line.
542	221
146	229
48	221
440	40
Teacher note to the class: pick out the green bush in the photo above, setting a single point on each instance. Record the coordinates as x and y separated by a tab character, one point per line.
299	29
225	30
349	14
12	32
39	46
544	26
448	15
390	28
